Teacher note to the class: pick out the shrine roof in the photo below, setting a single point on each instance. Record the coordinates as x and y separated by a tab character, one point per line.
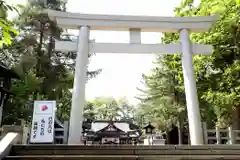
120	121
88	125
149	126
98	126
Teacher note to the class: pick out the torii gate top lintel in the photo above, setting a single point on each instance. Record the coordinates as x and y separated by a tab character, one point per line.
125	22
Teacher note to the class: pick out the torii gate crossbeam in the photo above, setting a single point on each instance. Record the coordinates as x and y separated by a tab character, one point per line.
134	24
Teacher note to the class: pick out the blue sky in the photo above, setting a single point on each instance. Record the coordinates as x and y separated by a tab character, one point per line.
121	72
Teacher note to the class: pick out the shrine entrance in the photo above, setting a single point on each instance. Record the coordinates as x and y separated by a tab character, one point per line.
135	25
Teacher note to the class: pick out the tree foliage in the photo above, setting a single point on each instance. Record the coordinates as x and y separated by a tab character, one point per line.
101	108
7	31
46	74
108	108
216	76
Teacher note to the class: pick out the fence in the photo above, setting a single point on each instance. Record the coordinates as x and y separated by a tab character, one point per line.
220	136
211	136
61	134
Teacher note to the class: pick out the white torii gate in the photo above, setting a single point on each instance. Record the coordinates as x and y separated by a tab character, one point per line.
134	24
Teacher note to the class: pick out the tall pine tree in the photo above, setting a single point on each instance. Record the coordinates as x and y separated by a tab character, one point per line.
46	73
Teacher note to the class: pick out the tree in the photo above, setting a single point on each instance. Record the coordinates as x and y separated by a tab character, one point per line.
102	108
32	54
217	81
7	31
106	108
163	99
217	75
127	111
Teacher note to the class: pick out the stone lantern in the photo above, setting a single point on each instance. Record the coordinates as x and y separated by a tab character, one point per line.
149	131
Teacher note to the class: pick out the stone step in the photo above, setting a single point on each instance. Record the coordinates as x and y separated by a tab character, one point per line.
122	150
160	147
60	146
72	157
121	157
69	150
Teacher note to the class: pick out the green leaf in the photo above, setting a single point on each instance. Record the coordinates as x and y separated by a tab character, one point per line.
238	2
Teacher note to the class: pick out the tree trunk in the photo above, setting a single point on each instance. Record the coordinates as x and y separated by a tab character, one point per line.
39	56
39	52
236	118
180	131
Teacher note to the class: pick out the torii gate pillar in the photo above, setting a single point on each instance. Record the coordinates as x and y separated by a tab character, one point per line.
194	119
78	94
133	24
